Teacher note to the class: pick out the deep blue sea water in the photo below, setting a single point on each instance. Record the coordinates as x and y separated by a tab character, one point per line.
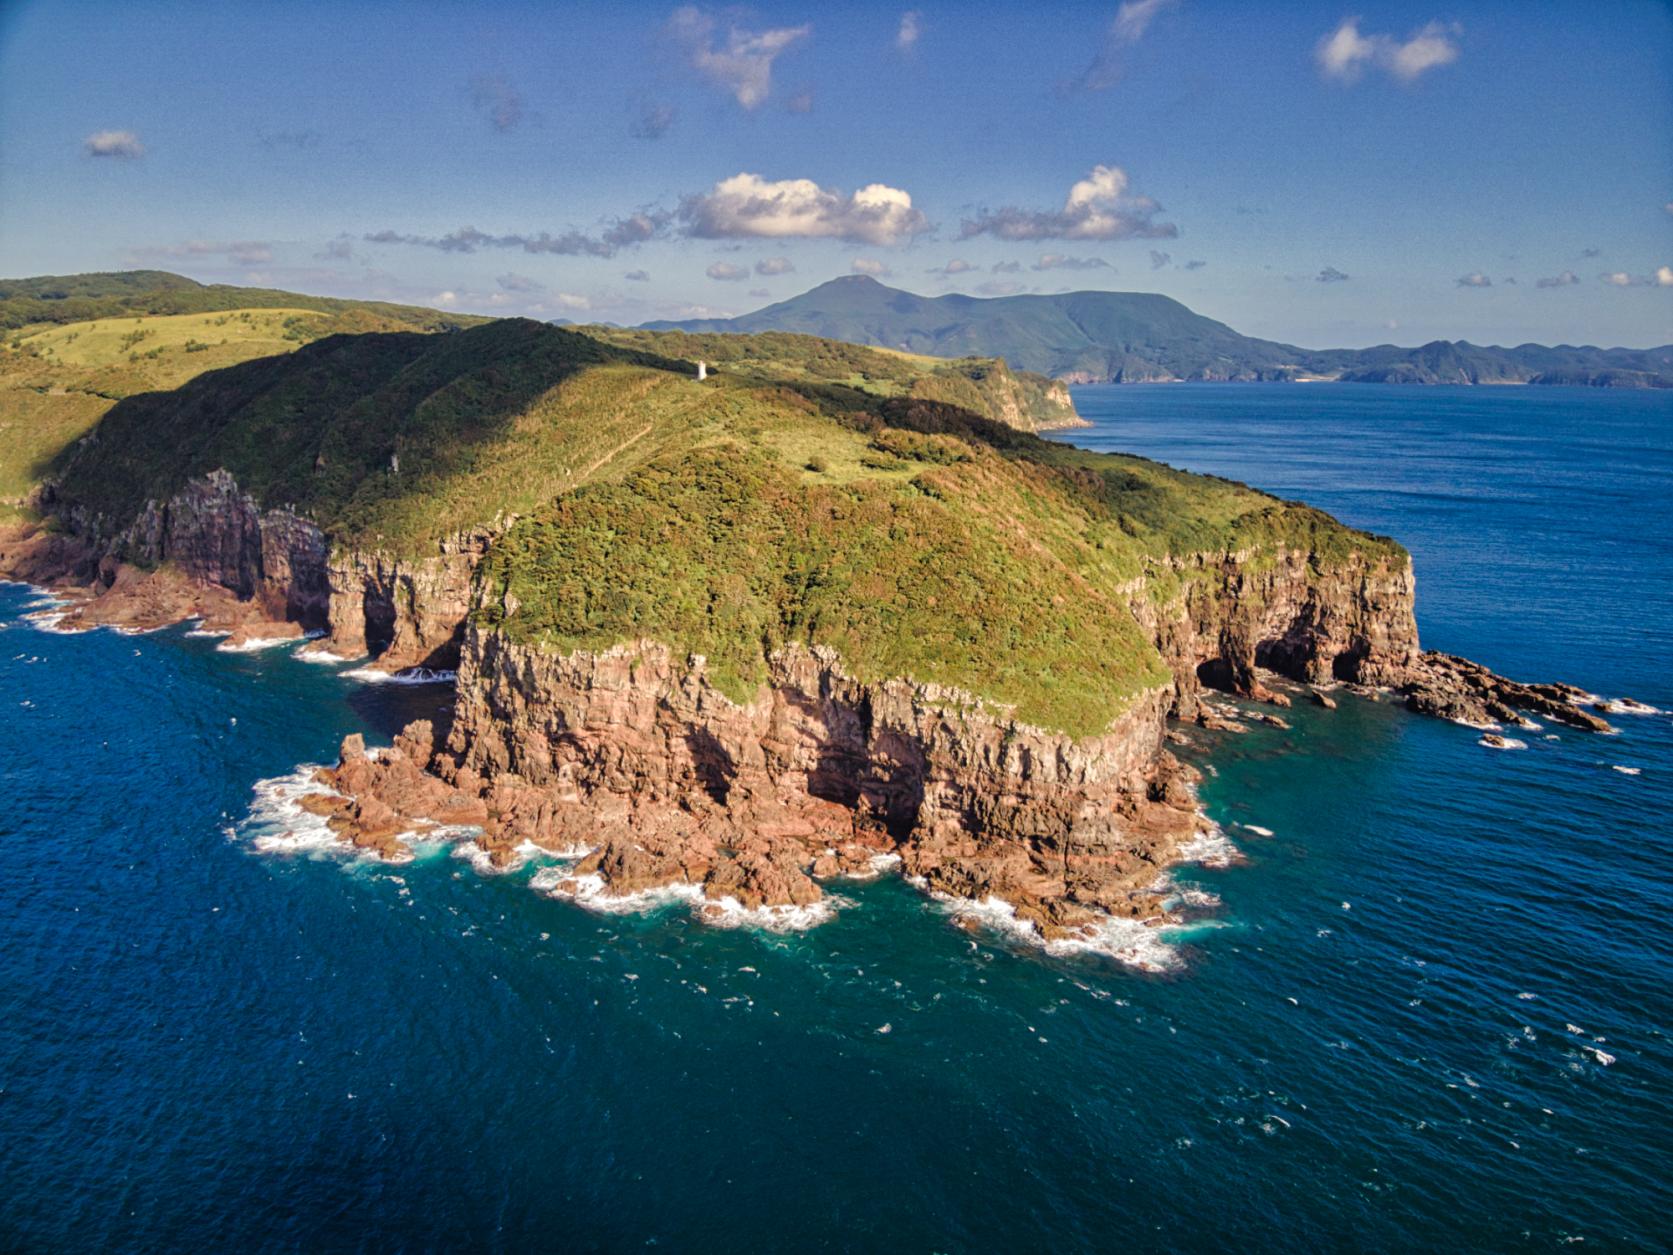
1390	1037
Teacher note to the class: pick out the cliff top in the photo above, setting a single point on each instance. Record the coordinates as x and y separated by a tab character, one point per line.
788	498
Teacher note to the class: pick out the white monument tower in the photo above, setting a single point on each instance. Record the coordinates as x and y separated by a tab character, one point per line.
702	371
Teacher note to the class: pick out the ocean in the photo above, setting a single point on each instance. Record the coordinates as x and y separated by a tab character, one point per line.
1428	1007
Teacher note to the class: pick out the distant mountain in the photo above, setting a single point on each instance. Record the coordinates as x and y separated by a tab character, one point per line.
1143	337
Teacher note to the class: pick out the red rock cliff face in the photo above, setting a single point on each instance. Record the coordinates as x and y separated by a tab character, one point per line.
211	545
637	757
1286	611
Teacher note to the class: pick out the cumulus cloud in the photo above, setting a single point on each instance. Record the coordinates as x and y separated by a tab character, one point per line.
636	228
653	122
746	205
239	252
869	266
495	97
1000	287
742	62
1006	267
1058	261
1098	207
1662	277
726	272
514	282
1330	275
911	26
1475	279
775	266
1195	265
1131	21
638	276
123	145
1345	53
1159	259
957	266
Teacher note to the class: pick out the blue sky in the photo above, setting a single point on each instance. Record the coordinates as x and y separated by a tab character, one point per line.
1344	176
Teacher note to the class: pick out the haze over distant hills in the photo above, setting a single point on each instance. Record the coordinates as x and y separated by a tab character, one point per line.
1142	337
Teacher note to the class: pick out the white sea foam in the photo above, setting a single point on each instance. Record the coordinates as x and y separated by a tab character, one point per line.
277	823
1128	941
1504	743
1209	847
319	655
1626	771
1479	726
1628	706
875	866
483	864
255	644
210	632
591	892
412	675
1257	830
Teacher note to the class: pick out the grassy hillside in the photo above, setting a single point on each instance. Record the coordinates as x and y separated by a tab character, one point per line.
59	376
983	385
84	298
725	517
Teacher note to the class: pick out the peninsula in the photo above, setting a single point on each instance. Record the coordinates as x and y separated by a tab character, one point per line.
827	608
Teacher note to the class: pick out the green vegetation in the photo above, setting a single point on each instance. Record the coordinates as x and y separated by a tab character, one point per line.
980	384
59	374
774	502
127	293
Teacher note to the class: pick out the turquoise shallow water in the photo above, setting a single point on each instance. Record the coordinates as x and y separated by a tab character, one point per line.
206	1046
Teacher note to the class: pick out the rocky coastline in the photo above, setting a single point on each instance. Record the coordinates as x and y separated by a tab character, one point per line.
631	764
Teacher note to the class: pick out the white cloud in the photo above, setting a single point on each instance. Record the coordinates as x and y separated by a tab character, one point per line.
911	26
1330	275
572	300
775	266
443	299
514	282
1475	279
1132	19
957	266
1345	53
1158	259
870	266
1098	207
1662	278
746	205
1565	280
742	63
726	272
121	144
638	276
